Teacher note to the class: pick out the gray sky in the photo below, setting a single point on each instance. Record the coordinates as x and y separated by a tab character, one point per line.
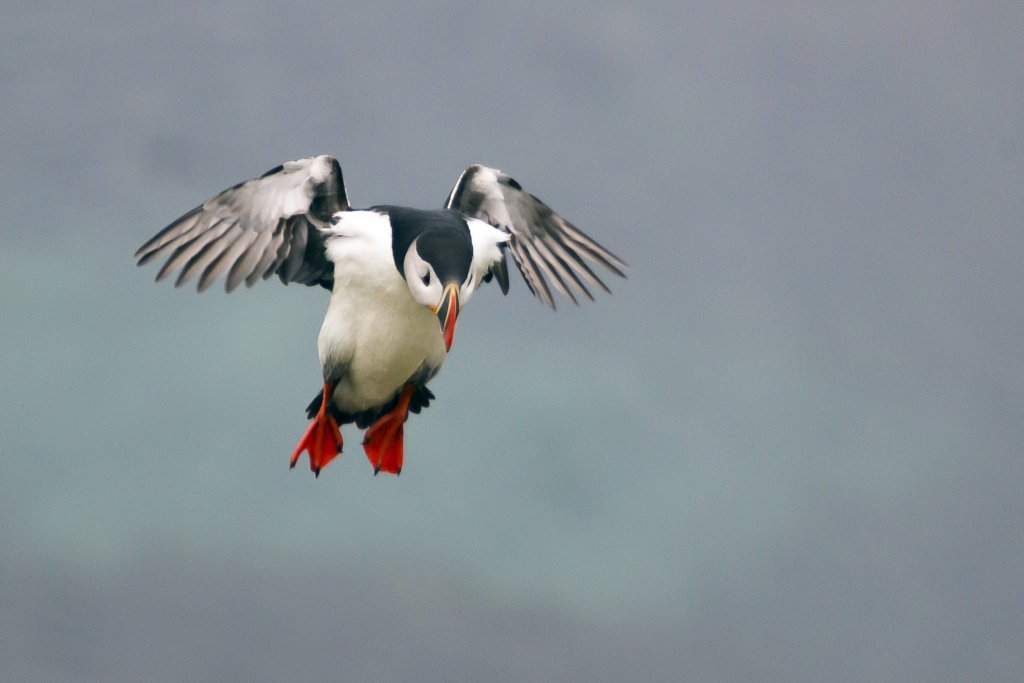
787	448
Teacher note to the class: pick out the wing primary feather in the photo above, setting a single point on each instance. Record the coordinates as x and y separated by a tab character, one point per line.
577	264
158	241
594	251
183	252
570	270
209	251
183	231
233	247
560	270
283	243
545	271
246	262
536	279
263	270
550	268
600	258
521	266
296	250
556	224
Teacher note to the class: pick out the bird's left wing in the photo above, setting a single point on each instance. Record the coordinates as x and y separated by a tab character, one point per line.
267	225
543	244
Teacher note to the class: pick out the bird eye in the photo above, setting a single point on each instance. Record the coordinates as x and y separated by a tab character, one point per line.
426	279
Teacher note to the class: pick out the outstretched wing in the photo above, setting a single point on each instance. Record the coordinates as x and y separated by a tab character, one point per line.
543	244
257	228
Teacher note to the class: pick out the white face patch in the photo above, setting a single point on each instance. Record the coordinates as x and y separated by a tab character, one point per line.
424	285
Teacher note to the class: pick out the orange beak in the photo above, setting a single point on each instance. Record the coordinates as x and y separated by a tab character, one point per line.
447	312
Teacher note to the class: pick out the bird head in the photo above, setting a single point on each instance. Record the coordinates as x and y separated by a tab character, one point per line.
439	275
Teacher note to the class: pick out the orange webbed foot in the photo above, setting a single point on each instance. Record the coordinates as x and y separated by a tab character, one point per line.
385	438
322	438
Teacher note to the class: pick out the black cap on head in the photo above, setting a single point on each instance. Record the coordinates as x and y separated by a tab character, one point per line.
442	240
450	254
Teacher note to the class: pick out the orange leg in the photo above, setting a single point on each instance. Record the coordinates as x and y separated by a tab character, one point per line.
384	438
322	439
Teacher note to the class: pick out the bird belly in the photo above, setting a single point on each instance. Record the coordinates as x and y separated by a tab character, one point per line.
374	340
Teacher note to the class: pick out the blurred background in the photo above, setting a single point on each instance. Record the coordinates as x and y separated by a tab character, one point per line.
789	446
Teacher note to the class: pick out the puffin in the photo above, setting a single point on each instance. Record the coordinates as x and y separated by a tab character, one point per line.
398	279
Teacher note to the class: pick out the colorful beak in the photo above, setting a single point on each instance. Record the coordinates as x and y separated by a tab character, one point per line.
447	312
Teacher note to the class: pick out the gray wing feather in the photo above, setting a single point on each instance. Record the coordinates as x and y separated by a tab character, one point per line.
261	227
544	245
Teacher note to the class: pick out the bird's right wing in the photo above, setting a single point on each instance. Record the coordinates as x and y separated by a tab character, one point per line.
267	225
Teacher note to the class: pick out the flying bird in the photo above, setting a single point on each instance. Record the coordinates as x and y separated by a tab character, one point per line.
398	278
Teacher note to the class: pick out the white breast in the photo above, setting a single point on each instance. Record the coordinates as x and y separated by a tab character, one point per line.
373	334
